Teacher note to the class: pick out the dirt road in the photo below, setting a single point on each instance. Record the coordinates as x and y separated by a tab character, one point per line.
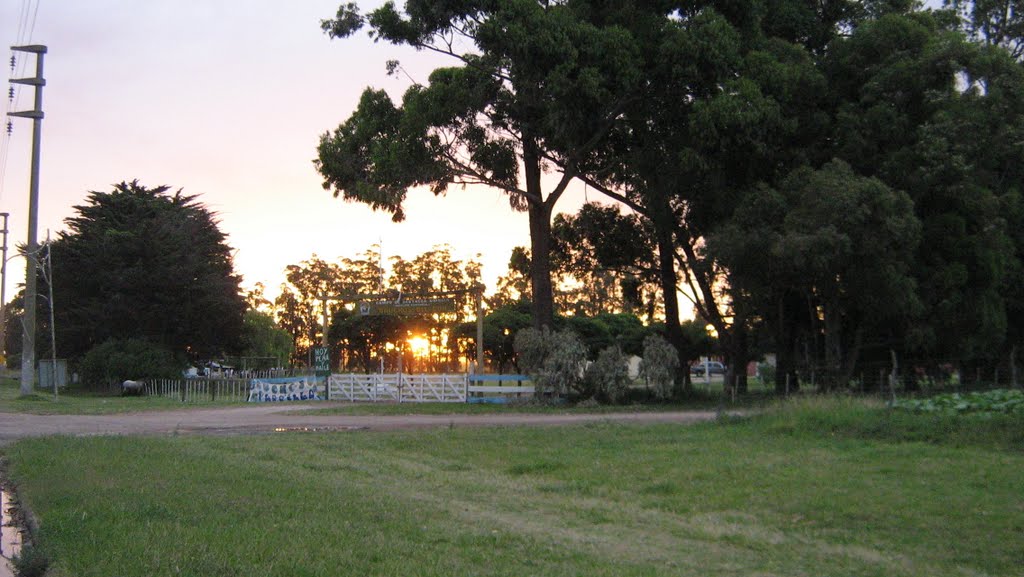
268	418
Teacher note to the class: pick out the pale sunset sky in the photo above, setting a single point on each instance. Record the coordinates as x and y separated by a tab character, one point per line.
225	99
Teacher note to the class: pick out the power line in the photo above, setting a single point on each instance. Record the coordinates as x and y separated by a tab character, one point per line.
26	8
24	38
35	14
28	15
22	18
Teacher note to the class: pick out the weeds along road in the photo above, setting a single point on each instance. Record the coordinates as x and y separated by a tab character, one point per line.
268	418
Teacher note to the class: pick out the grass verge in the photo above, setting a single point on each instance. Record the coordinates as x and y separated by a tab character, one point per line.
806	489
78	402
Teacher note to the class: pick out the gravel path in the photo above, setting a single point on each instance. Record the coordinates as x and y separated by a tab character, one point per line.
268	418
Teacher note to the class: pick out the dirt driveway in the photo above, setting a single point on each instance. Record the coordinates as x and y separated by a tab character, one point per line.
268	418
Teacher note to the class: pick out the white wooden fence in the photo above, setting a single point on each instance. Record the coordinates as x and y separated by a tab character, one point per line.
399	388
404	388
354	387
205	389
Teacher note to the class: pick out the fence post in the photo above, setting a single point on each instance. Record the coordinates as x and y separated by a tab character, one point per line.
213	391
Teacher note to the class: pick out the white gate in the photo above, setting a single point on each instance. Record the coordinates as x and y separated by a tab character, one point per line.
433	389
356	387
398	388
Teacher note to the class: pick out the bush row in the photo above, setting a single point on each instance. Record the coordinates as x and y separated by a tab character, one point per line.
556	362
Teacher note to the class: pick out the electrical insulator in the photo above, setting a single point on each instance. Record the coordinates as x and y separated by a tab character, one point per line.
13	60
10	127
10	93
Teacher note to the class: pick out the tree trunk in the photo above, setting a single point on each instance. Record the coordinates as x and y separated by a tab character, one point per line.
670	296
540	266
540	239
852	358
1013	367
738	354
894	375
833	324
785	374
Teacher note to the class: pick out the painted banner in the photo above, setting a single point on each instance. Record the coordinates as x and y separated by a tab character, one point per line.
408	306
283	389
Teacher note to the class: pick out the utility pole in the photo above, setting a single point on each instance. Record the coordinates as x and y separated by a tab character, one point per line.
48	271
28	341
3	297
479	294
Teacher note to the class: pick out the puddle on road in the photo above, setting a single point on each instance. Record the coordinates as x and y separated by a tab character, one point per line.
314	429
10	535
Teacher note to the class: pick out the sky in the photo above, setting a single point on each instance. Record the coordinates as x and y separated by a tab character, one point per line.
226	99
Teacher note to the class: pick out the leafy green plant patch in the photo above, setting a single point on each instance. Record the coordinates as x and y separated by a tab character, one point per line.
1002	401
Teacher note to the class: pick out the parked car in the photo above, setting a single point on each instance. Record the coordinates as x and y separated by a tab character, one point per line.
706	367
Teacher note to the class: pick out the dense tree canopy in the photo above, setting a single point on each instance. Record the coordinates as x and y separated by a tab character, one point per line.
842	243
537	86
141	263
814	145
264	344
362	342
838	182
299	308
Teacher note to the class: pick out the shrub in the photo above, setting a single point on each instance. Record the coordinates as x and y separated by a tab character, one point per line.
531	347
553	361
117	360
608	376
766	372
659	365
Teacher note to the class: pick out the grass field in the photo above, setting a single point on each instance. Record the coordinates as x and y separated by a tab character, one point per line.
78	402
810	488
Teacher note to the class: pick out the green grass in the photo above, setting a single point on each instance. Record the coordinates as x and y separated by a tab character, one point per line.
79	402
851	418
812	487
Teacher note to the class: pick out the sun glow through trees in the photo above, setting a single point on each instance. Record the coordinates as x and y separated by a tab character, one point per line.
419	346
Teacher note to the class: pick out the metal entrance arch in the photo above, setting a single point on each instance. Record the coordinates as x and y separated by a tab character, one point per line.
395	303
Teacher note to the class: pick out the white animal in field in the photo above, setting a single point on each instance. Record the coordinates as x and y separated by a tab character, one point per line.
133	388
